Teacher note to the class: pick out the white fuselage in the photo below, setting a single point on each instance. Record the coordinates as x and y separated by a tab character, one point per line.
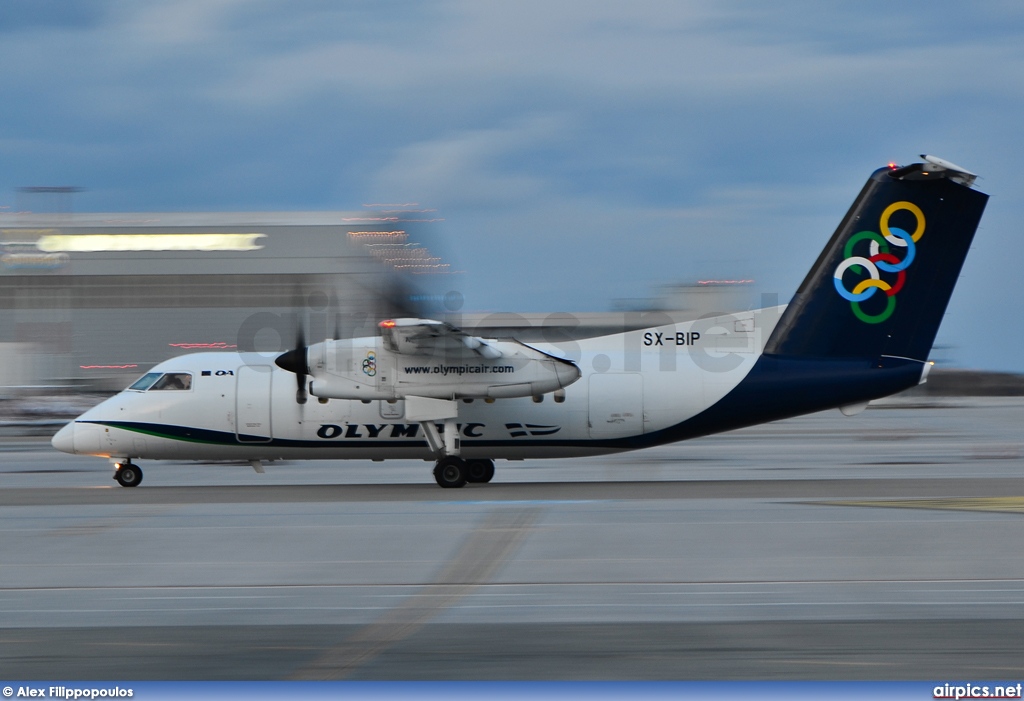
241	406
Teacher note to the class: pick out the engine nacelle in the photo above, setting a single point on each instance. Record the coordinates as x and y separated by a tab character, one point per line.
364	368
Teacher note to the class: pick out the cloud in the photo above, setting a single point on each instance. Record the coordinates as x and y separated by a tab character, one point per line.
46	15
596	148
470	168
176	24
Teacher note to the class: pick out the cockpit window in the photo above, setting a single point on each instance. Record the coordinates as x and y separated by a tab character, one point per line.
146	381
173	380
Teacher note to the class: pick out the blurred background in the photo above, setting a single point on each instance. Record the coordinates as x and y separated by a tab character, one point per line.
330	164
181	175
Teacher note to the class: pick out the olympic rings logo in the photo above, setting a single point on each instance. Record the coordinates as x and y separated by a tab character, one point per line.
370	363
880	260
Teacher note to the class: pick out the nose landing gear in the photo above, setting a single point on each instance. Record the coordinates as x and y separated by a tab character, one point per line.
127	474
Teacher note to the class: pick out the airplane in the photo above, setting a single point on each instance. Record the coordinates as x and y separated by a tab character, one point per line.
860	327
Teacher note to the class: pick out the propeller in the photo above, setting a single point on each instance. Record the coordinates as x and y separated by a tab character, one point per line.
295	361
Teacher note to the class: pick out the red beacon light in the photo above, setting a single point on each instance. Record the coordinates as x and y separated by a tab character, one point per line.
893	165
387	324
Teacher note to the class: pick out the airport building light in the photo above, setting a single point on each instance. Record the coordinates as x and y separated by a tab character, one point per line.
95	243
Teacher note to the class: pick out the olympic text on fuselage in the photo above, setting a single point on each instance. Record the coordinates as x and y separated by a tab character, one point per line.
469	430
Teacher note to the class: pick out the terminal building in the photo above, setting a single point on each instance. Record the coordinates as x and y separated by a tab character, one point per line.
90	301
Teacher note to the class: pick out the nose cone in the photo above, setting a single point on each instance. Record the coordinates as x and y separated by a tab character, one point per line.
64	439
294	361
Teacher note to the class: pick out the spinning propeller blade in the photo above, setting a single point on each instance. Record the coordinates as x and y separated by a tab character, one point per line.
295	361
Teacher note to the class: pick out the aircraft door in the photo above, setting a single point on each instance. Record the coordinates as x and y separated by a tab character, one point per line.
252	404
616	405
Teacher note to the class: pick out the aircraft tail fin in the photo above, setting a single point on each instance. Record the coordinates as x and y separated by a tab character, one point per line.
882	283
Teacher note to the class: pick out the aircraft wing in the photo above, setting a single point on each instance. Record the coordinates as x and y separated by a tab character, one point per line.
430	337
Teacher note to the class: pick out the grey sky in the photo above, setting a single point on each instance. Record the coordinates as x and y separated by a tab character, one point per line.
578	151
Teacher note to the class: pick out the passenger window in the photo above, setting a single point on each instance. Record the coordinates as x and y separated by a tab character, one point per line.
145	382
173	380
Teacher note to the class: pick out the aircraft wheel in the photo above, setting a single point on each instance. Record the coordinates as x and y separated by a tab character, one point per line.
450	472
128	475
478	471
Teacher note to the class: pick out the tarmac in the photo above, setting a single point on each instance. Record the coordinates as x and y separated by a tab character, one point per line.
882	546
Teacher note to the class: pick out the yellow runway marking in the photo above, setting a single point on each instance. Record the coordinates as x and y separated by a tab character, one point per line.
1005	505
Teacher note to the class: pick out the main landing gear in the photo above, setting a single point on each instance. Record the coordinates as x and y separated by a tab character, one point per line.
127	474
452	471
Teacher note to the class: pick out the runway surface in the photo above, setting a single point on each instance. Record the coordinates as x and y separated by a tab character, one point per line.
883	546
